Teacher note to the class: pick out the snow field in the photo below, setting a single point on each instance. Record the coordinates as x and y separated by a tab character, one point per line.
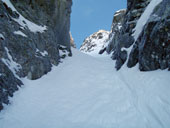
87	92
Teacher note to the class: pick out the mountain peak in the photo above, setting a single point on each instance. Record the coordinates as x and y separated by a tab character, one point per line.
95	42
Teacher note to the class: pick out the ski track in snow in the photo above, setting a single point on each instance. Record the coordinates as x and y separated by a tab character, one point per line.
87	92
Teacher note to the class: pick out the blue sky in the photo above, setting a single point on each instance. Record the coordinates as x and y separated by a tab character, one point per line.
89	16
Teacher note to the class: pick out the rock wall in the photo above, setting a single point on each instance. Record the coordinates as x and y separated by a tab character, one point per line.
117	23
31	33
151	48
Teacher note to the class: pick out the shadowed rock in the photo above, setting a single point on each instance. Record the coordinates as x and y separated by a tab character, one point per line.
32	31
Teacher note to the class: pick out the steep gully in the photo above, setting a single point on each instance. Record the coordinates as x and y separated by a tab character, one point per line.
95	96
86	91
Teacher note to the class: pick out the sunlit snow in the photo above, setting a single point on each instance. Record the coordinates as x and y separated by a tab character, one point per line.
93	44
87	92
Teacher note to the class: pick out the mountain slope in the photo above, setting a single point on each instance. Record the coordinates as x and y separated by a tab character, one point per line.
87	92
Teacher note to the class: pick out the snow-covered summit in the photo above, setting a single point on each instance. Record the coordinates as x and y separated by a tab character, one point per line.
95	42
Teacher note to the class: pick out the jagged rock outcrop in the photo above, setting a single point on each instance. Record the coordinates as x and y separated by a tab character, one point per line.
150	48
118	19
95	42
72	43
31	35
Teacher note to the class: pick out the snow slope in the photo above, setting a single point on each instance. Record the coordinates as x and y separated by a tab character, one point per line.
87	92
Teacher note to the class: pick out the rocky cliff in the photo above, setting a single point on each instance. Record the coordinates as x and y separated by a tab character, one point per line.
152	47
117	23
32	32
144	36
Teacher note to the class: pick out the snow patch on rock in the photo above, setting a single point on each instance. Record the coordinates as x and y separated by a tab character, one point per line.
24	22
20	33
1	36
12	65
44	53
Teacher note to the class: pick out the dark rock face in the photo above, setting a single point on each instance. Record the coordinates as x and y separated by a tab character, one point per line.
8	84
31	33
151	49
123	37
115	30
